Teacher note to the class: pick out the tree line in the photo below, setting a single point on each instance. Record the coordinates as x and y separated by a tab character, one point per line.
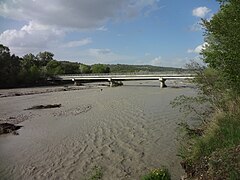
35	69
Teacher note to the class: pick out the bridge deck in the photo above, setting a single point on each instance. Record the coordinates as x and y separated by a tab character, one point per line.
125	77
111	78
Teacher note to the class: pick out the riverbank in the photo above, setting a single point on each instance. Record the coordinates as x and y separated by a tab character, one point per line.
125	130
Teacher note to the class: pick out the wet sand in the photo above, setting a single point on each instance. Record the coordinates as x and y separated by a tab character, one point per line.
124	130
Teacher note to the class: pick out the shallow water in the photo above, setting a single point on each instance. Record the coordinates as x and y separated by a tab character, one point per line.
124	130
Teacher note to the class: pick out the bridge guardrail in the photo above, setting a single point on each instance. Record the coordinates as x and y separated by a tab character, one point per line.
134	73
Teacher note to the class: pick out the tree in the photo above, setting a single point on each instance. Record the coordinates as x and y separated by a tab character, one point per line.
54	67
85	69
222	52
44	57
70	67
28	61
9	67
209	152
30	72
100	68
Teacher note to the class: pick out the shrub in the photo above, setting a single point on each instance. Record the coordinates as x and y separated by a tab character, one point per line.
157	174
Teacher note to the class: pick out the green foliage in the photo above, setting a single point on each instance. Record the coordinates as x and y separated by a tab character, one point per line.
30	72
124	68
225	163
96	173
33	70
29	60
224	132
209	155
157	174
54	67
85	69
222	52
214	153
44	58
70	67
210	84
100	68
9	67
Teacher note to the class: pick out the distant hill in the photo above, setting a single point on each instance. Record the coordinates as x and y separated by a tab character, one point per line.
124	68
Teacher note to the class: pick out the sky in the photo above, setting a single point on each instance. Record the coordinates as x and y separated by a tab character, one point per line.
149	32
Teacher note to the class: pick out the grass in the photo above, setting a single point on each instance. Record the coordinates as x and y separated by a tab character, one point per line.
225	163
97	173
216	152
223	132
157	174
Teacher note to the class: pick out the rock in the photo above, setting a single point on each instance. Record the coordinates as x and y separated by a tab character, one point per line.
8	128
45	106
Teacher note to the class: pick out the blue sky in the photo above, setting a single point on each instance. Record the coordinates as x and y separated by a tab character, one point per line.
155	32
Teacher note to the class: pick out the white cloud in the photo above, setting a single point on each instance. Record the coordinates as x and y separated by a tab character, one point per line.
156	61
78	14
200	12
166	62
33	38
99	52
102	28
198	49
94	55
82	42
48	22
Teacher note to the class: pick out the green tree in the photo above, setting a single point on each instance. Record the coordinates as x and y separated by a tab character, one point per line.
85	69
222	52
100	68
28	61
70	67
44	58
54	67
9	67
209	152
34	74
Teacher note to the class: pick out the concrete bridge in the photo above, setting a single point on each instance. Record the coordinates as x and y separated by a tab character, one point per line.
114	78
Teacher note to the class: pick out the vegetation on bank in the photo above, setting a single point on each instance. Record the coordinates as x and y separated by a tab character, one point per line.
33	70
124	68
157	174
212	151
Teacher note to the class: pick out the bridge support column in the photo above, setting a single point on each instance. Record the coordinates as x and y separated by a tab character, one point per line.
162	83
76	83
110	82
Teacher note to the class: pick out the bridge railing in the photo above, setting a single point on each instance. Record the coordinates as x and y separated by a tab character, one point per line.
131	73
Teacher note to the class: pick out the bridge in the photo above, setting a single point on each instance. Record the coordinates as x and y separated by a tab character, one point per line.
113	79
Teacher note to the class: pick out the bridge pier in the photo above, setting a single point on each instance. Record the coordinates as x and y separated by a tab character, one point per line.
113	83
110	82
76	83
162	82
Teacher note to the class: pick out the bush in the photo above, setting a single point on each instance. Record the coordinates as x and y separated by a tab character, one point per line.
209	155
157	174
